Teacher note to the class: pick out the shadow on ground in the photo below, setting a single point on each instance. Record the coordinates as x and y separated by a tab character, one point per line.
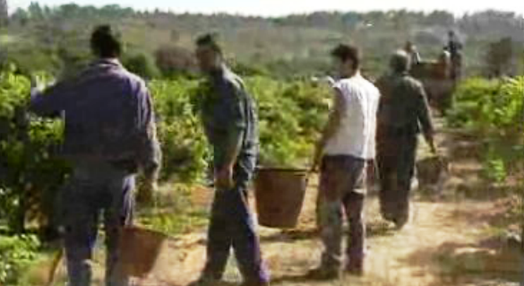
459	263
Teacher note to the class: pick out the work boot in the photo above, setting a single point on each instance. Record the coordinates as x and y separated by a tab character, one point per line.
355	268
324	273
400	221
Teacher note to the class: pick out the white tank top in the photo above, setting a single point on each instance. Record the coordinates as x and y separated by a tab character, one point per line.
356	133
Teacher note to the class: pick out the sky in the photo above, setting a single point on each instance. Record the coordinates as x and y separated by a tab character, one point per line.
284	7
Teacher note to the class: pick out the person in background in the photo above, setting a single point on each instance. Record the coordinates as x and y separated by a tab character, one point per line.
413	53
347	143
454	47
403	112
230	123
109	136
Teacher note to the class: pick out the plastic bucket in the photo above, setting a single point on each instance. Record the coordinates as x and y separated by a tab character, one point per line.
279	195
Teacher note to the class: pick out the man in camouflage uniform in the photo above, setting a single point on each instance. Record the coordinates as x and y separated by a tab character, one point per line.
403	113
109	136
230	123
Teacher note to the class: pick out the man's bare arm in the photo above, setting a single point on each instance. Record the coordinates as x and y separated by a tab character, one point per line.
332	126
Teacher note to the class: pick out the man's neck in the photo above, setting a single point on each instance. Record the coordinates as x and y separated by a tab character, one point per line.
217	71
112	60
350	74
400	73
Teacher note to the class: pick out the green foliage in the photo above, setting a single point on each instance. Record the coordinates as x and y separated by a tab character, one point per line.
495	168
495	110
291	116
16	253
142	65
173	213
470	107
29	175
285	46
183	144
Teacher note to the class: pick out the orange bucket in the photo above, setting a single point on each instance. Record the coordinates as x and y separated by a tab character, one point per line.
138	251
279	195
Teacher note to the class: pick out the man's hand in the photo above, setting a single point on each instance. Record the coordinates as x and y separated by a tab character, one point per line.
34	81
433	148
316	162
317	157
224	178
431	142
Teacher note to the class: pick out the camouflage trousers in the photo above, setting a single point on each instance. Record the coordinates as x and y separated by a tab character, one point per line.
342	191
396	166
94	190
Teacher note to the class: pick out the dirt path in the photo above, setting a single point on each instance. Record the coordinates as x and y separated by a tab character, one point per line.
442	245
447	241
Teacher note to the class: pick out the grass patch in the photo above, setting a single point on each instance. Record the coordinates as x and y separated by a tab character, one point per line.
173	213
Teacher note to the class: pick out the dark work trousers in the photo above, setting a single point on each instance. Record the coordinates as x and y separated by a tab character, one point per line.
95	190
396	155
232	226
342	187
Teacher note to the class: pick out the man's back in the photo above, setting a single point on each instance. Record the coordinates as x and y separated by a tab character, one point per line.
356	134
106	111
403	105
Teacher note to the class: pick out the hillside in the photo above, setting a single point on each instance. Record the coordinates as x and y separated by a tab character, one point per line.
297	44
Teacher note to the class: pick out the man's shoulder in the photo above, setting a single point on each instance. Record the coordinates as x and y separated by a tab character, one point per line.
365	84
411	81
352	87
134	79
234	85
233	80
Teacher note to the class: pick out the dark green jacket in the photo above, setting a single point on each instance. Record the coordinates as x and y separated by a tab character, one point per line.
403	107
228	106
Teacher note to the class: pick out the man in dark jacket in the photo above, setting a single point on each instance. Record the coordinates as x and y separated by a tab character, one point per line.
454	47
230	122
109	136
403	114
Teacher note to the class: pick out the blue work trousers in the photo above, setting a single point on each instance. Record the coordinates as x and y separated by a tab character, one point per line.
232	226
95	191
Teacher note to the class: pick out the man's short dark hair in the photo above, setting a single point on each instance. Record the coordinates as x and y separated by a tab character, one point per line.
209	40
347	52
105	43
400	61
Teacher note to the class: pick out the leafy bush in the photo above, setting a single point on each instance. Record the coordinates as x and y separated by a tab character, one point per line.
291	115
29	174
16	253
142	65
183	144
495	110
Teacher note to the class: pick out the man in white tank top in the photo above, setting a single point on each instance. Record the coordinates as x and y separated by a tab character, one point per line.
347	143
